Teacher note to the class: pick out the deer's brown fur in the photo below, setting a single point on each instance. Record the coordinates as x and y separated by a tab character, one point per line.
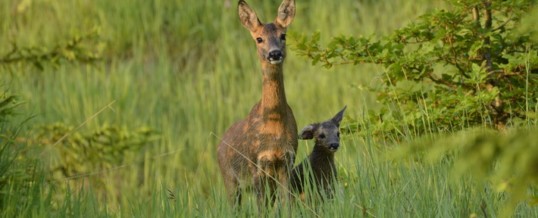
260	149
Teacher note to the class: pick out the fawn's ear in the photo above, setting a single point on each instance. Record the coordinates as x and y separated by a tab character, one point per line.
248	16
338	117
308	131
286	13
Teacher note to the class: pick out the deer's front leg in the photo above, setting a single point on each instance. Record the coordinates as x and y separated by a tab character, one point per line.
265	181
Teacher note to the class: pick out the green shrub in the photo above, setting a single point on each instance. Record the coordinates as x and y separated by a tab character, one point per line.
506	161
7	105
19	182
85	48
69	154
450	69
472	65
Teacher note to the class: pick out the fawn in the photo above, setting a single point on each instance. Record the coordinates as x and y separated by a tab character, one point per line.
319	169
260	149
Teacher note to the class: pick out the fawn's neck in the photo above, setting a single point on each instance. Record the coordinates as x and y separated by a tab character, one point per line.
322	154
273	94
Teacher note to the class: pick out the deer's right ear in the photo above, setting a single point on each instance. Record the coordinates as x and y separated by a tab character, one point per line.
248	16
308	131
286	13
338	117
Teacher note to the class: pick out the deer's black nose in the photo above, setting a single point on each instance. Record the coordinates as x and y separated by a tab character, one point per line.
275	55
334	146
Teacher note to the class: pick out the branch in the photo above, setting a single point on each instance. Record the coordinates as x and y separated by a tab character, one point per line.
487	41
447	83
441	82
489	20
455	59
29	58
460	69
503	24
476	16
73	50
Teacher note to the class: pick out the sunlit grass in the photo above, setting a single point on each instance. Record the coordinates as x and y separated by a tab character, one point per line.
188	69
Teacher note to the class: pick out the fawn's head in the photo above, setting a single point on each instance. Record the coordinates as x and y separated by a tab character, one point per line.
271	37
326	134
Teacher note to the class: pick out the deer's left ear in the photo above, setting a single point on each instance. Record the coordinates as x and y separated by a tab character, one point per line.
286	13
308	131
248	17
338	117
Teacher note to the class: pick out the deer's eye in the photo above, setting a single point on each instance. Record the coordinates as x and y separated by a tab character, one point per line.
338	135
283	37
259	40
321	136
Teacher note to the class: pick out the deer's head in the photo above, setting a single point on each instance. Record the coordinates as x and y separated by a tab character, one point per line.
270	38
326	134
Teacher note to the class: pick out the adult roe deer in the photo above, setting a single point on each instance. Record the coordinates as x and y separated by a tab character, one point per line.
319	170
260	149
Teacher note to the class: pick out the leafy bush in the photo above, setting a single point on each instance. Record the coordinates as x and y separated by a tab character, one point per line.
85	48
7	105
18	183
70	154
507	161
450	69
473	65
43	166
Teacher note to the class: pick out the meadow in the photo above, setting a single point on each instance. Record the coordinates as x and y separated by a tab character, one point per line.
187	70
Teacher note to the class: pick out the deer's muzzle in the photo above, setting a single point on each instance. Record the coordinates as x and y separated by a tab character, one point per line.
275	57
334	146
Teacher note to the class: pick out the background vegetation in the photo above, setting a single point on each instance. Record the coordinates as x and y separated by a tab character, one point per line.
115	108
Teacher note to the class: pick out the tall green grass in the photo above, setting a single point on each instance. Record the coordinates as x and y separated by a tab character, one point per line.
188	69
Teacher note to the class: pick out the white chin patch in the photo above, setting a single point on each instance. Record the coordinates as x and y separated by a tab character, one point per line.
275	61
333	149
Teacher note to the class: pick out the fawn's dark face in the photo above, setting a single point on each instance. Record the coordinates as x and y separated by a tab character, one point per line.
270	38
326	134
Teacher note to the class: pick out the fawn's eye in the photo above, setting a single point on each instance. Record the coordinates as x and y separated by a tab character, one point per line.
259	40
283	37
321	136
338	135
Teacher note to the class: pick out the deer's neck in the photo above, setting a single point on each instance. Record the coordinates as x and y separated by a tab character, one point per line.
273	93
320	154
